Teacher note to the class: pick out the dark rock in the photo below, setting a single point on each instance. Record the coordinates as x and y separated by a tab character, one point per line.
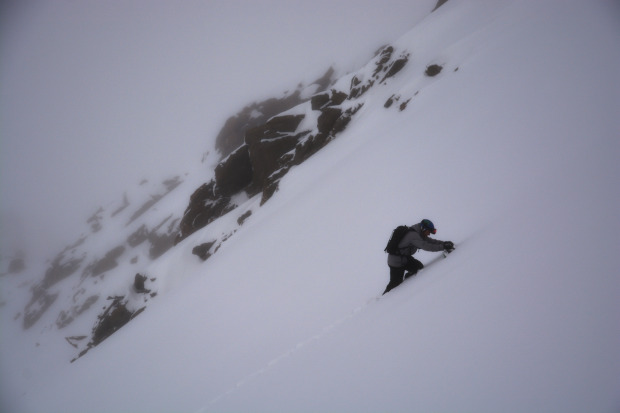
39	303
331	98
267	143
243	217
232	135
338	97
396	67
358	89
390	101
386	66
265	157
138	284
385	55
276	127
320	100
108	262
205	205
203	250
327	119
235	172
113	318
138	237
344	119
433	70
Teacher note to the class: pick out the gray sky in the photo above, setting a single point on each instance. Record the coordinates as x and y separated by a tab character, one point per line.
95	95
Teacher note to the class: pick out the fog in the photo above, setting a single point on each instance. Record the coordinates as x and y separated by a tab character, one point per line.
96	96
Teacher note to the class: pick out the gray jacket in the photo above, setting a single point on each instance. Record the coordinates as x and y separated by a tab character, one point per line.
411	243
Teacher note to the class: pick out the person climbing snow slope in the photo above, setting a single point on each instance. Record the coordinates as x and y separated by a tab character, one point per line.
401	250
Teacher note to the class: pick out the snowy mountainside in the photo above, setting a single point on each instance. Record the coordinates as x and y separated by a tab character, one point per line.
509	149
98	283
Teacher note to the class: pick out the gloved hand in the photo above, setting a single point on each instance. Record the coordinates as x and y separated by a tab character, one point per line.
448	246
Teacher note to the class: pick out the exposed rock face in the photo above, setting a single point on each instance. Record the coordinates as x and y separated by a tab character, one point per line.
267	153
267	143
331	98
386	66
205	205
115	316
272	145
232	134
235	172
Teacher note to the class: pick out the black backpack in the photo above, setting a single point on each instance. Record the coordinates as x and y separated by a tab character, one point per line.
397	235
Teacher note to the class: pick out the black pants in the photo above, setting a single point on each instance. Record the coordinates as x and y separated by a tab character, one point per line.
397	274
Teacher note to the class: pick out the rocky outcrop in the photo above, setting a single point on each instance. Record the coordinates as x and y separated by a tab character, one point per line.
206	204
272	145
386	65
115	316
266	155
266	145
232	134
235	172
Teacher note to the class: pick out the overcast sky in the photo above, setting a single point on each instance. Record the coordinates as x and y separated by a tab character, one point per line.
96	95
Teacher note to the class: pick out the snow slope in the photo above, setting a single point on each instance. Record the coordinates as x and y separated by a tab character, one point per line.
511	150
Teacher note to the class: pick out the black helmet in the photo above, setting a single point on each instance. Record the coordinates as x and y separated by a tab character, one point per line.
427	225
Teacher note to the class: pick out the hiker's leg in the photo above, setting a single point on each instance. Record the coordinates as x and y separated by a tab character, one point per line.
396	277
412	266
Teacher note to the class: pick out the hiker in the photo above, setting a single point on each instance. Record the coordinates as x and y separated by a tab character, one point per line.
400	256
